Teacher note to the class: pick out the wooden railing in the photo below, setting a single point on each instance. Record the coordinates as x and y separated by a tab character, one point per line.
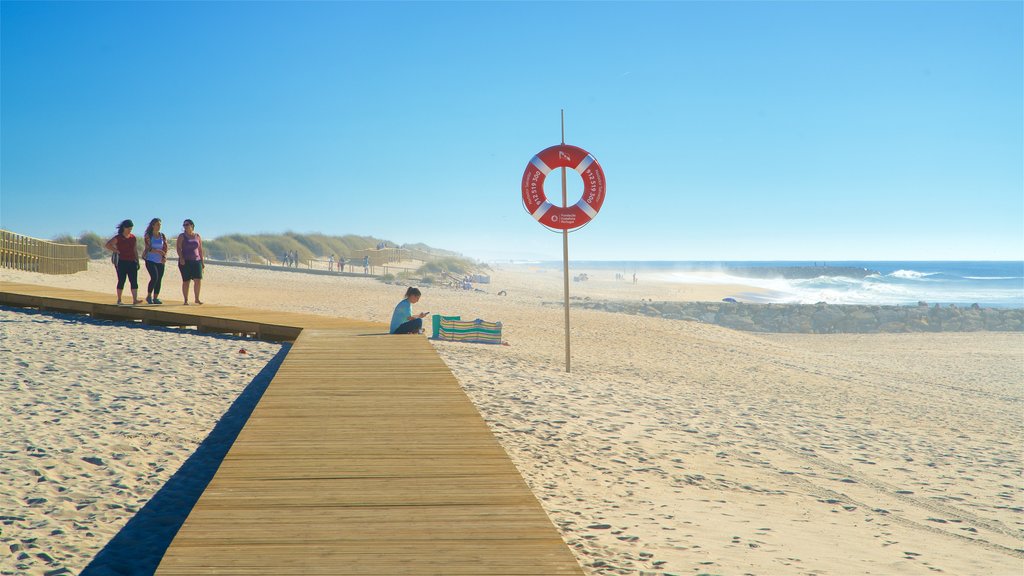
377	257
383	256
35	255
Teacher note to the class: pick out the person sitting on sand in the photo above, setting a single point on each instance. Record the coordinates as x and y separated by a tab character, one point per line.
124	244
403	321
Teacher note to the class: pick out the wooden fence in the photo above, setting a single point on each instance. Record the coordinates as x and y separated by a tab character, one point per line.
383	256
35	255
377	258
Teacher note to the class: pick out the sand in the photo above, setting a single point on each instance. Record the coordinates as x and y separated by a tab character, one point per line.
672	447
97	418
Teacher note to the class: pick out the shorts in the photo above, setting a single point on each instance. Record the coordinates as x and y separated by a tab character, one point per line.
192	270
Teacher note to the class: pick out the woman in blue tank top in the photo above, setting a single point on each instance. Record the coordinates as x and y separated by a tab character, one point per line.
156	257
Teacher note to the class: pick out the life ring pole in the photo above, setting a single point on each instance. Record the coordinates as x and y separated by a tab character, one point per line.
565	261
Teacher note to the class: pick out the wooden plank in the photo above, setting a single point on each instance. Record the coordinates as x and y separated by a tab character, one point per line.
268	324
454	557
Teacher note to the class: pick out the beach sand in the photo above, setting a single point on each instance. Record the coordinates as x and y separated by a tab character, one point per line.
672	447
97	418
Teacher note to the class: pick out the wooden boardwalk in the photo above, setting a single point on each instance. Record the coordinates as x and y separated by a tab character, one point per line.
364	456
262	324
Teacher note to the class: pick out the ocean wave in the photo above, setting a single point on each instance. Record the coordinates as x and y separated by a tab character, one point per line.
871	290
911	274
881	293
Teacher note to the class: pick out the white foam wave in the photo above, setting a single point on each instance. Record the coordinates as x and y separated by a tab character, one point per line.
911	274
872	290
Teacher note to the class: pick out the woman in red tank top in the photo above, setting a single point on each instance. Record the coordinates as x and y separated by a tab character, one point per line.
125	245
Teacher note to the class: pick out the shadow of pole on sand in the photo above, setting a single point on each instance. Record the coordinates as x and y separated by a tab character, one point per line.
138	548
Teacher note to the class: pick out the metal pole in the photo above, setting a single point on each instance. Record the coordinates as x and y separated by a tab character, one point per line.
565	259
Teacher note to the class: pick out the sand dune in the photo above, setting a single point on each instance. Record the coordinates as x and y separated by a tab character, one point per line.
672	447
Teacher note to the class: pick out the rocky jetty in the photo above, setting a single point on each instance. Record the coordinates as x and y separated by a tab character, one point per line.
822	318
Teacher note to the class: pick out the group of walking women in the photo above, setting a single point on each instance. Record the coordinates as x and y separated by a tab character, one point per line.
125	257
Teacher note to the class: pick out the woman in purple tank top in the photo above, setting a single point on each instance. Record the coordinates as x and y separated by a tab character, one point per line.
190	260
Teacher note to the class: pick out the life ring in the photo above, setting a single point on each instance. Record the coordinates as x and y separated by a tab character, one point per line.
568	217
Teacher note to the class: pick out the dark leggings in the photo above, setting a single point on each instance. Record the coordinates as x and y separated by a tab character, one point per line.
128	269
410	327
156	277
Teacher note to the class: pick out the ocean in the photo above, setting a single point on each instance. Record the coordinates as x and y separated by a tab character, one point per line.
998	284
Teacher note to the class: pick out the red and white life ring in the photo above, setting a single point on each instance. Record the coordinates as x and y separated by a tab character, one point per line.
568	217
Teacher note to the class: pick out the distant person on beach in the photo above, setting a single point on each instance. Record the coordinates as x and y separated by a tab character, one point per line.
190	260
366	264
403	321
125	245
330	263
341	263
155	255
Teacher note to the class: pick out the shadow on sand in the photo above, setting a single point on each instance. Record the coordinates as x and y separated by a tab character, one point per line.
138	548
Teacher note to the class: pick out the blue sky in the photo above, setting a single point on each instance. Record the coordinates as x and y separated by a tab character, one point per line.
726	130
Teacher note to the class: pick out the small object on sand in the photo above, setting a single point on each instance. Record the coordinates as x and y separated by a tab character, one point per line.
243	351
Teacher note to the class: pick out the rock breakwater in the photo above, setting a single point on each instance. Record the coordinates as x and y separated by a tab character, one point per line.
821	318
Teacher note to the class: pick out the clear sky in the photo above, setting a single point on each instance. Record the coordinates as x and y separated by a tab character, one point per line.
726	130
